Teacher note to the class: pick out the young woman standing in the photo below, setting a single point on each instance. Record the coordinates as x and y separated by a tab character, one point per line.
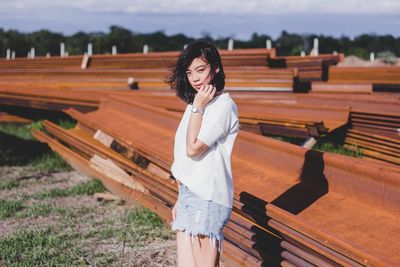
202	155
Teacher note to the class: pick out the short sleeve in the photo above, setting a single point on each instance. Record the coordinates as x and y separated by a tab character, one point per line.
215	123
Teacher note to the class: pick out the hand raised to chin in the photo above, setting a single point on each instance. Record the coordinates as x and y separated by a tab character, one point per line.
204	95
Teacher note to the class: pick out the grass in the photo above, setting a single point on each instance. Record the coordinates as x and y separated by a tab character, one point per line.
49	162
19	148
67	124
141	224
23	131
39	247
9	208
134	228
86	188
78	235
54	246
337	149
8	185
323	145
35	211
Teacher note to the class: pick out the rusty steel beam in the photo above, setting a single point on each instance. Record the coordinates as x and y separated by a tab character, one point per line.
82	164
280	159
10	118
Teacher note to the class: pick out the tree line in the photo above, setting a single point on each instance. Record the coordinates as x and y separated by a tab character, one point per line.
126	41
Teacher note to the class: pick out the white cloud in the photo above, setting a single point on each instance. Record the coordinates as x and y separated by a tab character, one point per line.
209	6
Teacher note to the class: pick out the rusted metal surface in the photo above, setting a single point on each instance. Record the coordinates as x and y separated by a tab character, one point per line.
292	206
237	57
244	78
81	164
326	87
41	62
290	119
310	68
271	176
10	118
378	135
374	75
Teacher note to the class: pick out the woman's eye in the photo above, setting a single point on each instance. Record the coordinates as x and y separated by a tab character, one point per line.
201	70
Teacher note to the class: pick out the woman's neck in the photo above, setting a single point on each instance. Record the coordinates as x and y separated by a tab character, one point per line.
218	93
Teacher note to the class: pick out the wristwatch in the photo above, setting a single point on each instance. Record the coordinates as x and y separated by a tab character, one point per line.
197	110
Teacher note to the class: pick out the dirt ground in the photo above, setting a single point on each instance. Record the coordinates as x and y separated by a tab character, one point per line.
103	232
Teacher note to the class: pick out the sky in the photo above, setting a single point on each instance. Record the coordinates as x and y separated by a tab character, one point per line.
195	18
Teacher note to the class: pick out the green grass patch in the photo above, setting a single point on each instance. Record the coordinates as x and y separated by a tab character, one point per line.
21	131
35	211
19	148
50	162
337	149
136	227
8	185
86	188
141	224
143	216
323	145
67	124
42	247
9	208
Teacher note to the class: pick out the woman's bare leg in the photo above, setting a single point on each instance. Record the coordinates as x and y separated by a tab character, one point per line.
184	250
205	252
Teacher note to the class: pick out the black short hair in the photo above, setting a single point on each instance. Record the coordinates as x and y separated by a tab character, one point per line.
178	79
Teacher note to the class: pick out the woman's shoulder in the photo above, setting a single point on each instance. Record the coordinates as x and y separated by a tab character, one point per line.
226	101
224	104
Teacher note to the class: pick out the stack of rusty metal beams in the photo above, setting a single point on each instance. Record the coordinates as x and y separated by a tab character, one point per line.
275	118
382	78
310	68
46	99
71	62
378	135
234	58
292	206
244	78
60	85
328	87
10	118
359	80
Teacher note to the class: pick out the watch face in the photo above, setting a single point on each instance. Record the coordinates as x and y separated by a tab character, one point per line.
194	109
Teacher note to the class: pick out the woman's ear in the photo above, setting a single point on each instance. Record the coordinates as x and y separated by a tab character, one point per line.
217	70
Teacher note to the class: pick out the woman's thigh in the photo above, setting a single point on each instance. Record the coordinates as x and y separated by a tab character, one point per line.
205	251
184	250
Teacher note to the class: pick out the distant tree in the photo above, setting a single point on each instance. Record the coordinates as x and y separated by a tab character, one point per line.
77	43
128	42
45	41
122	38
286	42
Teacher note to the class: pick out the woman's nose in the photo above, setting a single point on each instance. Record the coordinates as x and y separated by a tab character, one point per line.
195	77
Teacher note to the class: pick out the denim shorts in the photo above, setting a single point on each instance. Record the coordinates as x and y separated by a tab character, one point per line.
195	216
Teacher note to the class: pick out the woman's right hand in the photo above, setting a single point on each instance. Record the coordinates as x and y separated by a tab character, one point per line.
174	211
204	95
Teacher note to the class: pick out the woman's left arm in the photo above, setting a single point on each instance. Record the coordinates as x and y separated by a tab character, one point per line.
194	146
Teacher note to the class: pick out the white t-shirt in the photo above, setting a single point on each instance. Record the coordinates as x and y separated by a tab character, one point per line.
209	175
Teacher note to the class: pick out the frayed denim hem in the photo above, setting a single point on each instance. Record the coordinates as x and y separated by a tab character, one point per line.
212	237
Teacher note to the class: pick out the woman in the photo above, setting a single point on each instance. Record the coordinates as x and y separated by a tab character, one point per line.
202	155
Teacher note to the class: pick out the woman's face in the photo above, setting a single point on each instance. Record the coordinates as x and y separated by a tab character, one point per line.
199	73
